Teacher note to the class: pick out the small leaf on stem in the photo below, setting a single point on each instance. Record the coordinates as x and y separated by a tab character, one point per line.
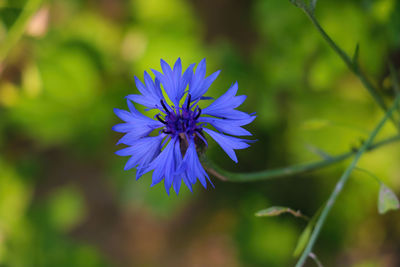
276	211
303	239
355	56
306	234
387	200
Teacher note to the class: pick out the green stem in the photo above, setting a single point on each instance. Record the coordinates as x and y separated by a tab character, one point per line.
395	79
287	171
340	184
352	65
18	28
370	174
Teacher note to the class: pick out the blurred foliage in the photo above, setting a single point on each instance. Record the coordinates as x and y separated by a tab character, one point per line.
65	199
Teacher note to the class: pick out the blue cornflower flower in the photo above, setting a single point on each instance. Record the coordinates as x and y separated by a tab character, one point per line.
173	153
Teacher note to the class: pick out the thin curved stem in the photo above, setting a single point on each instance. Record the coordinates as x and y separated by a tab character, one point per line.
18	28
224	175
340	184
351	64
370	174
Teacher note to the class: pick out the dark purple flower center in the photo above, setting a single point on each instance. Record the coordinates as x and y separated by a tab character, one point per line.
180	120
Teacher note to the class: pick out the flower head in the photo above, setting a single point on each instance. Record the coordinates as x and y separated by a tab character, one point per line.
180	124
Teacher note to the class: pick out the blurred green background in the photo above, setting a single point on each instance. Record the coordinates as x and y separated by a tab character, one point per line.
64	197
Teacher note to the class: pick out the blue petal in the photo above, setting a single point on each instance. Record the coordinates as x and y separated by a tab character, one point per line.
225	105
187	181
139	127
133	133
192	167
173	81
186	78
154	87
178	159
140	86
123	114
200	71
134	115
229	126
230	114
150	92
166	69
136	125
174	179
142	152
135	122
168	86
228	143
143	100
199	85
177	72
208	81
164	165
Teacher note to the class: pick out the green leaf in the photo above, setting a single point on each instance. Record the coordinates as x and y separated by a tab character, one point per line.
306	234
355	56
303	239
276	211
387	200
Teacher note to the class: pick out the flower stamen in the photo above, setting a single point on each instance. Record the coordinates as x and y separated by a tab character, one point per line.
160	119
198	114
188	102
165	108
